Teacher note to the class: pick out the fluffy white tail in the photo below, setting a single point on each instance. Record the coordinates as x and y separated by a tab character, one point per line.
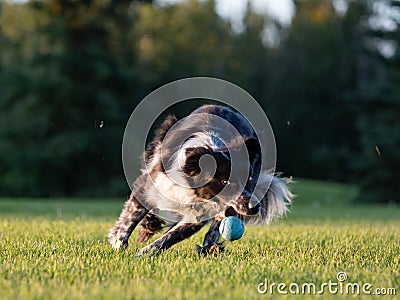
277	200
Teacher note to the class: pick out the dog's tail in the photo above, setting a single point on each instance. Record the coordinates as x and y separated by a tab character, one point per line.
275	203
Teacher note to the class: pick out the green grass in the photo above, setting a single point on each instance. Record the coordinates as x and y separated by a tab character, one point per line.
56	249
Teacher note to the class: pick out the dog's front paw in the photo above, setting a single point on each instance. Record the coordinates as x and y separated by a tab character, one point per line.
213	249
148	250
118	244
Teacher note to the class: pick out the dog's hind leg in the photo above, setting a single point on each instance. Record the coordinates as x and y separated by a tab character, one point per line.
132	213
176	234
210	243
150	224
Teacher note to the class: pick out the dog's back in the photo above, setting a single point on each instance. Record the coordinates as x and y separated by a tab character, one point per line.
236	119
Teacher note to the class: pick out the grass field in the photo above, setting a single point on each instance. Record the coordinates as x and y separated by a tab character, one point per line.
56	249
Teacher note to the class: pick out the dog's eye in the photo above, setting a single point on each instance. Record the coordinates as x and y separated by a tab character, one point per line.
225	182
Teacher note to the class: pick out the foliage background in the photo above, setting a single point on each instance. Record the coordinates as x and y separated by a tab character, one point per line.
71	73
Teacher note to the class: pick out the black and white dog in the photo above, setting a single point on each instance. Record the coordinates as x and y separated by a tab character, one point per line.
196	173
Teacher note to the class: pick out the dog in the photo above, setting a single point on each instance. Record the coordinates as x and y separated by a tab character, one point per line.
199	173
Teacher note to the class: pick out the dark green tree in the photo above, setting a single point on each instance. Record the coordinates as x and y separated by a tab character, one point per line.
62	114
190	39
378	163
312	74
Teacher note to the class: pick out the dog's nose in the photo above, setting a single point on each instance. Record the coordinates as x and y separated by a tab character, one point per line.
253	202
253	205
256	209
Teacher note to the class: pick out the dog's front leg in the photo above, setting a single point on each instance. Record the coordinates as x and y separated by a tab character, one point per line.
210	243
132	213
176	234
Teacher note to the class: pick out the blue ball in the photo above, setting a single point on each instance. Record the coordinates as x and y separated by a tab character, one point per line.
231	228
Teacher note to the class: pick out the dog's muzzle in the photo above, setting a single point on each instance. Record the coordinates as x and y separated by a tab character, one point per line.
244	205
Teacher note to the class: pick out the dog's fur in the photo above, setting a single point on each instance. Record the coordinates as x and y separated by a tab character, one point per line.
156	198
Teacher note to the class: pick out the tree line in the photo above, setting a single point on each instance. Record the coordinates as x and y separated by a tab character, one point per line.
71	73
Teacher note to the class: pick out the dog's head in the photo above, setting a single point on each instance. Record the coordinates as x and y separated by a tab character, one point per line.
226	179
209	165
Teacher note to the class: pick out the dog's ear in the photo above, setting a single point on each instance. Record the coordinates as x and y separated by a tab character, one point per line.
193	155
253	149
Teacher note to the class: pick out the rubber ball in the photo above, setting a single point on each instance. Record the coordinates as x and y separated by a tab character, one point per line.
231	228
